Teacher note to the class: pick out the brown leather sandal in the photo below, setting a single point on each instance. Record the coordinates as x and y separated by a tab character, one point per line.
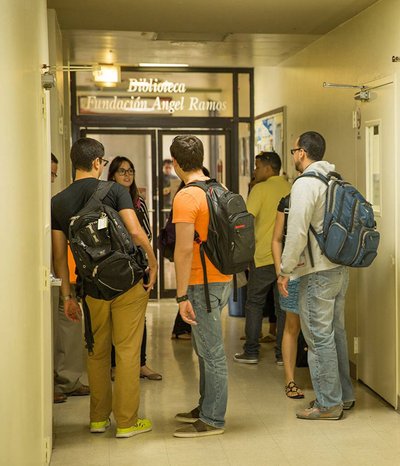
293	391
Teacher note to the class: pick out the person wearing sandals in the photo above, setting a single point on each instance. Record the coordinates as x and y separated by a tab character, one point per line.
122	171
288	304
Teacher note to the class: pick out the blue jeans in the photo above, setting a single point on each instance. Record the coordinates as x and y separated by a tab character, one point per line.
321	304
209	347
261	279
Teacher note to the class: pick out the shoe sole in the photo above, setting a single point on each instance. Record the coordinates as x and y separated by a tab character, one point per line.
132	434
345	408
246	361
310	418
186	420
99	430
207	433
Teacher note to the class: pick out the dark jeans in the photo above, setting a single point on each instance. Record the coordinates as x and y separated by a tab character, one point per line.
180	326
142	350
261	280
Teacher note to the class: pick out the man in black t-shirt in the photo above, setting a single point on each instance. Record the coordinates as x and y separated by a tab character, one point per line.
120	320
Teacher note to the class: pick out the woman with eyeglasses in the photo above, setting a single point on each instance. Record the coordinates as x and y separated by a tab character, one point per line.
122	171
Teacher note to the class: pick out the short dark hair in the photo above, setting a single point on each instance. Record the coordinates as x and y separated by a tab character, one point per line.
54	159
167	162
84	151
270	158
314	144
188	151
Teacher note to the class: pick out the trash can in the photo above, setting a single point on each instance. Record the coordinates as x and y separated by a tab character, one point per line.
237	309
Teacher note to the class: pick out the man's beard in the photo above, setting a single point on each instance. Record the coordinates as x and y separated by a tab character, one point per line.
298	167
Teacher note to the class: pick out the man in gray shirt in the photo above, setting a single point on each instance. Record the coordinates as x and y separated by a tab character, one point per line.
323	285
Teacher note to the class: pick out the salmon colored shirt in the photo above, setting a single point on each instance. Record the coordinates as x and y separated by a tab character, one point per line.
190	206
72	267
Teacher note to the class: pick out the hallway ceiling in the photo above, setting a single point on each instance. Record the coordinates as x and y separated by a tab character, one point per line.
201	33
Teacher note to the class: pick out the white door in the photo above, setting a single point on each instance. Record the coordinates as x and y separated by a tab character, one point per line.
376	294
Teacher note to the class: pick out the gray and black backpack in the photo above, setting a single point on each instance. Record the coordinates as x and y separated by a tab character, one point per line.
230	244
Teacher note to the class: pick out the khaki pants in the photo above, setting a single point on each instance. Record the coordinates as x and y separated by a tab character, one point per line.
119	321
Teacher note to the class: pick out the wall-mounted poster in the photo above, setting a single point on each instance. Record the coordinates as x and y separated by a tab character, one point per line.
270	133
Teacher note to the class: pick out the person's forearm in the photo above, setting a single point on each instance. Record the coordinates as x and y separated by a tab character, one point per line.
277	254
183	266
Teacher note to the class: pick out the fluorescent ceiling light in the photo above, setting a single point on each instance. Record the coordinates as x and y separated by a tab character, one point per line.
163	65
107	74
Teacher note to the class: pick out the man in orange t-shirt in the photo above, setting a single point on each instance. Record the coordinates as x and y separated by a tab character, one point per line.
190	214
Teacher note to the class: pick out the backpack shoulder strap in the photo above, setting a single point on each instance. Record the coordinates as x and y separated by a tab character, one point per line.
97	197
203	184
102	190
317	175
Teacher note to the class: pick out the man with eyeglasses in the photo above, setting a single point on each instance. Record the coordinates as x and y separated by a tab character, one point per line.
121	319
323	285
262	204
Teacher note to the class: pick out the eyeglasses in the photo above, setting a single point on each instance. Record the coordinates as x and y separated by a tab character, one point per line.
293	151
104	161
123	171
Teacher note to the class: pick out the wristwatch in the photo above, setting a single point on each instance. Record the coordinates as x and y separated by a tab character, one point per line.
180	299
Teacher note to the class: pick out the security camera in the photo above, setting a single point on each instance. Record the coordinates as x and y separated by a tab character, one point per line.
363	95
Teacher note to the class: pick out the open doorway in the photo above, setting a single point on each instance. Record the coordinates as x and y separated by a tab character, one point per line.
156	180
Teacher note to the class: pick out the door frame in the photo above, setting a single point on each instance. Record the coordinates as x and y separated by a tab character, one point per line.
361	176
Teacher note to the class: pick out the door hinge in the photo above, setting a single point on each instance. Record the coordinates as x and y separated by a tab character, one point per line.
46	278
47	450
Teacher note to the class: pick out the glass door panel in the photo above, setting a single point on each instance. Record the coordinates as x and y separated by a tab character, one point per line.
139	148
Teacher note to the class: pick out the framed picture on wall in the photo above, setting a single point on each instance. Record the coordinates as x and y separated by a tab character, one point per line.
270	133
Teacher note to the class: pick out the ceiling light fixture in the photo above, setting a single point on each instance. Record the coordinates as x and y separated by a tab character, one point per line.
163	65
107	75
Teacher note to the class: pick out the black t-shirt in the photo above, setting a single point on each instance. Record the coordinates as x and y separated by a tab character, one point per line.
284	203
69	202
283	206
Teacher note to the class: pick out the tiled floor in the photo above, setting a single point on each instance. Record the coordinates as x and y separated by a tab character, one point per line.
261	425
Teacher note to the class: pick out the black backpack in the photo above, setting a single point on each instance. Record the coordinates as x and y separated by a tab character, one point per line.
104	252
230	244
166	239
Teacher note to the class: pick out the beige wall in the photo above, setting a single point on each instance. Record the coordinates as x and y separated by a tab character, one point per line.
25	390
59	122
357	52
